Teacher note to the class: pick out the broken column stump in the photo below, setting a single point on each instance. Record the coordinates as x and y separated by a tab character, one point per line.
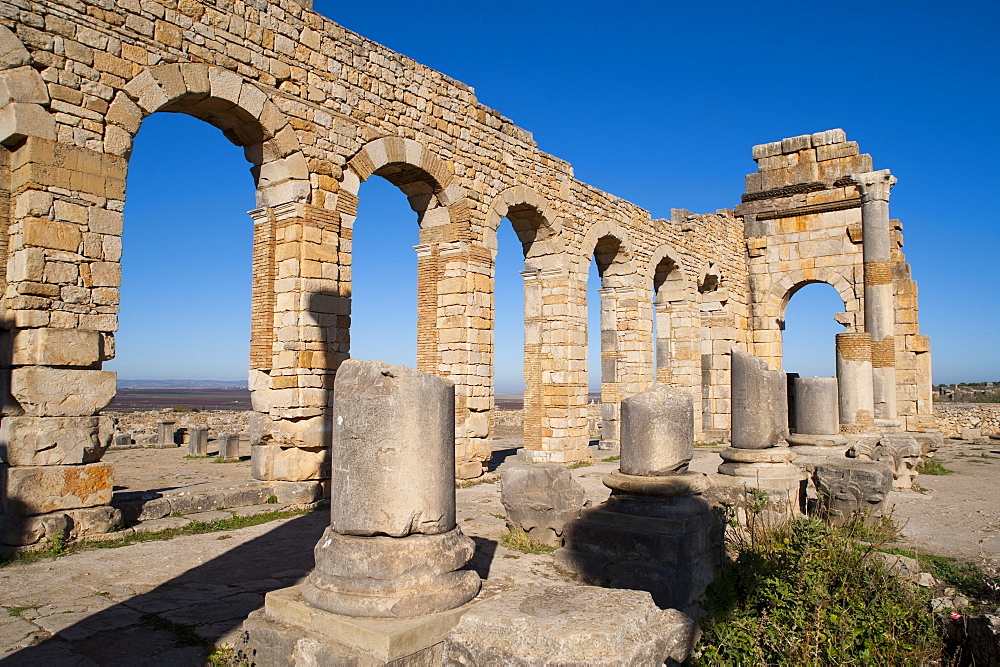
759	457
849	488
817	437
540	499
656	532
389	571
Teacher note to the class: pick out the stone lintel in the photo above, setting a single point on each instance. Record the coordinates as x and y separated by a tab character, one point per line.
386	638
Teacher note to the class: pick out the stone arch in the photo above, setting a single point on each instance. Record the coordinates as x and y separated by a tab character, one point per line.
612	247
781	292
24	98
229	102
427	181
666	274
534	221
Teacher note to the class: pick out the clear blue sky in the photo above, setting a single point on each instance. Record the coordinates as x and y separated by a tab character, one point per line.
656	102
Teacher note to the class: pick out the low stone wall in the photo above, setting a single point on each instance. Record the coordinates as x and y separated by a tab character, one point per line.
141	426
953	417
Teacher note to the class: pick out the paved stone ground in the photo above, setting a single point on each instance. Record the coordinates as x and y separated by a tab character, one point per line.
160	469
115	607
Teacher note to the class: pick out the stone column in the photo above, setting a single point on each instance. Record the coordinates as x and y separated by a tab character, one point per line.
817	434
854	382
655	532
197	440
759	455
624	370
165	433
393	548
879	302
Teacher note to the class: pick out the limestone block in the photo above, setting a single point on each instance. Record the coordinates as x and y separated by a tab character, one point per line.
25	530
297	493
569	625
22	84
62	392
44	489
12	51
846	488
657	431
37	441
93	521
56	347
289	464
541	498
52	234
393	467
19	121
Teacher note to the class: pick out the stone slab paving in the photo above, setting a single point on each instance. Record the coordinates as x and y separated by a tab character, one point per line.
98	606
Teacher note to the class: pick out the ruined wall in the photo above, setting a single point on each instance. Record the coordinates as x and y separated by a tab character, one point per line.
953	417
318	110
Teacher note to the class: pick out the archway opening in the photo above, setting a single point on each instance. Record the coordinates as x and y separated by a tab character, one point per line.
809	330
668	296
182	347
383	275
602	342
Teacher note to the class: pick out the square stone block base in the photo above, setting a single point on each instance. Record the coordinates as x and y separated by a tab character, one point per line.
666	546
290	631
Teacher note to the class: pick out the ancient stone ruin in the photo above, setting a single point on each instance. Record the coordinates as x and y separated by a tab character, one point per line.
318	110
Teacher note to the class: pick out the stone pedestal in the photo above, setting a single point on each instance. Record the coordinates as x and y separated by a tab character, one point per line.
759	456
197	441
656	532
854	382
165	433
229	445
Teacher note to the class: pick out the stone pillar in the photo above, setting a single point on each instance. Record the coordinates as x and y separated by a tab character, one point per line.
854	382
393	548
759	455
555	367
62	246
301	323
817	434
625	346
229	445
197	440
655	532
165	433
879	300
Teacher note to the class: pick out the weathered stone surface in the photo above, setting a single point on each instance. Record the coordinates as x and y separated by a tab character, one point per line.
668	546
20	121
569	625
760	405
229	445
657	433
393	469
297	493
93	521
61	392
216	495
197	440
34	441
900	451
165	433
391	577
540	498
45	489
847	488
57	347
816	405
289	464
25	530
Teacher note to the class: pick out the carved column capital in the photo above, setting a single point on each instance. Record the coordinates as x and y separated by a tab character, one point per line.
874	185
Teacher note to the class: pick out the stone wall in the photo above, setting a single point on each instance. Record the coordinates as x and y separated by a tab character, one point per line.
141	426
953	417
318	110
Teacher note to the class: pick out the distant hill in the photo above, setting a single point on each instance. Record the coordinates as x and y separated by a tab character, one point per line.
182	384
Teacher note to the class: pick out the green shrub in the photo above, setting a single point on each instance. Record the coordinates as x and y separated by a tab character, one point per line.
805	593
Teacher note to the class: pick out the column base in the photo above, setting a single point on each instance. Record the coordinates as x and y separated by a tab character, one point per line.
290	631
769	470
391	577
809	450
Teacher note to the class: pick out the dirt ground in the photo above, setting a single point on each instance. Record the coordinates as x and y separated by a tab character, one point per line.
96	607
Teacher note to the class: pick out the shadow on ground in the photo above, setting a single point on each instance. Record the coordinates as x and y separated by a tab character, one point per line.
177	622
